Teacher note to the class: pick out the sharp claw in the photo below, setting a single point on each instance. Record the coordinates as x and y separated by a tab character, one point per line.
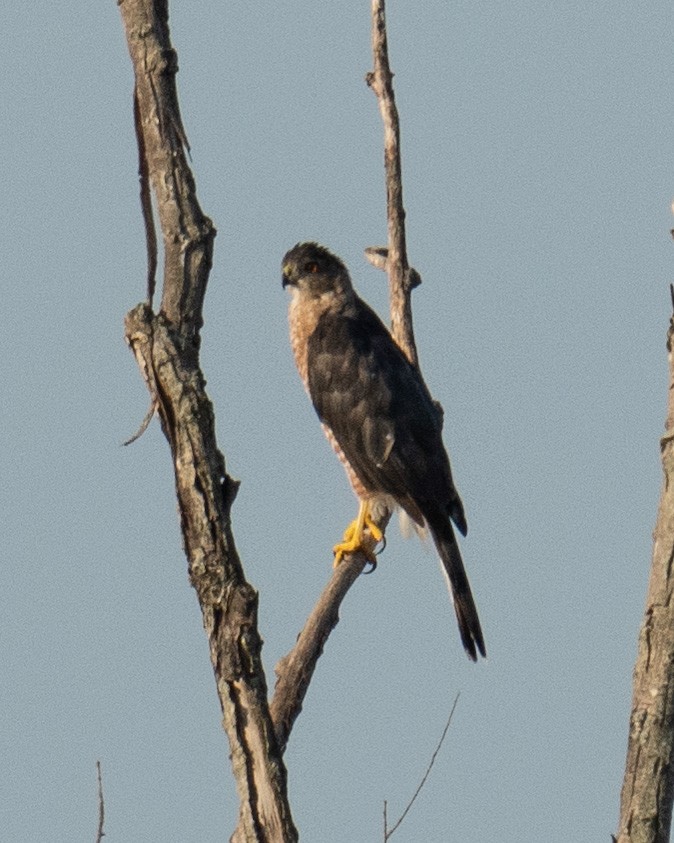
355	539
341	550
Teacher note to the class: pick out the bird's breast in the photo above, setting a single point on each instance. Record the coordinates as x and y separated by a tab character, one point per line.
303	316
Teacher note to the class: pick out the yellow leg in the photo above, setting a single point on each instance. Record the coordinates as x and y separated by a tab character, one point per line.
355	538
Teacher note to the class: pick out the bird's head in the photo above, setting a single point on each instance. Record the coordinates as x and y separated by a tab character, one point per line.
312	270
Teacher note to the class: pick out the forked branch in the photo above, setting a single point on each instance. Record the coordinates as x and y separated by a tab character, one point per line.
166	346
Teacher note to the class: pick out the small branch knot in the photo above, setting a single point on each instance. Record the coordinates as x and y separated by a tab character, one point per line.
412	278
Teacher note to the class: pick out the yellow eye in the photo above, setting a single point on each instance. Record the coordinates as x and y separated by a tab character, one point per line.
312	267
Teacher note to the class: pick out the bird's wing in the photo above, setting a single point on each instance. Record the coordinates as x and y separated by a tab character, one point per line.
378	408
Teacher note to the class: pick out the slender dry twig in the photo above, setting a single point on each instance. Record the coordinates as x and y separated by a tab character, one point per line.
149	415
400	286
393	258
100	834
166	347
648	785
388	833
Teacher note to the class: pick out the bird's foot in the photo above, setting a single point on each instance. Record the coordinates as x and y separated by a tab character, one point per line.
362	535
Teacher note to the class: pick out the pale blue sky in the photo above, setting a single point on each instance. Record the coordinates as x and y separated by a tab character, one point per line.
539	171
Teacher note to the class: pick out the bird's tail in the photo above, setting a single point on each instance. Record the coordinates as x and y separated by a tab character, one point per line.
459	588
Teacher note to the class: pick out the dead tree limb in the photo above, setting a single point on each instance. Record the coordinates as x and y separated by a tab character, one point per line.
401	280
166	346
100	833
294	671
648	785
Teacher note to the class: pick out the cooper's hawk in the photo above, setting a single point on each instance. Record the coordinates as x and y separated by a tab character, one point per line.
378	415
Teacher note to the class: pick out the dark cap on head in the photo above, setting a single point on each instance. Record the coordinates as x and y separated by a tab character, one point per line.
313	263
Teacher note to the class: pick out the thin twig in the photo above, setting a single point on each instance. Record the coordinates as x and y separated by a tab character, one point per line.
388	834
101	805
381	82
152	409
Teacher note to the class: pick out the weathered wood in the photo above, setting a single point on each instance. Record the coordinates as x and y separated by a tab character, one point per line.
166	346
648	785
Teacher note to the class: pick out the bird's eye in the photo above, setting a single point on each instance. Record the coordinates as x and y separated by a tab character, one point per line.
312	267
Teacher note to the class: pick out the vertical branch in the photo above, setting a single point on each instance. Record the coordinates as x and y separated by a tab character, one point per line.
402	280
100	834
648	785
166	347
188	233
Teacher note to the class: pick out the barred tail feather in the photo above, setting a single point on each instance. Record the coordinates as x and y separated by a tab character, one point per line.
459	589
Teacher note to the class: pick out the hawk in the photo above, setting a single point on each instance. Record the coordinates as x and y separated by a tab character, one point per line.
379	417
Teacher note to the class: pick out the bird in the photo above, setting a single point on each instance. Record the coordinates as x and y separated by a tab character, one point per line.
379	416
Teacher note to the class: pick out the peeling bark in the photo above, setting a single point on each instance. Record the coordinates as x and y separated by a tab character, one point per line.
648	785
166	347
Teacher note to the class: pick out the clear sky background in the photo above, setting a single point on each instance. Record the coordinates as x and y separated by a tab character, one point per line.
538	171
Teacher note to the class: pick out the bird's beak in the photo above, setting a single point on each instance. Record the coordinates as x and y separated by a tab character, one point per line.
287	276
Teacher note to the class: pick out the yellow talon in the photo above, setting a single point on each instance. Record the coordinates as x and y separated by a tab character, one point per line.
355	538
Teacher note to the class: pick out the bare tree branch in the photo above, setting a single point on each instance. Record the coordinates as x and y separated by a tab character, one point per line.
100	834
166	347
388	833
401	282
648	785
393	258
188	233
294	671
147	418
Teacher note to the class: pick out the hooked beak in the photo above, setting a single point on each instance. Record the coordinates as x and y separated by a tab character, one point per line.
287	279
